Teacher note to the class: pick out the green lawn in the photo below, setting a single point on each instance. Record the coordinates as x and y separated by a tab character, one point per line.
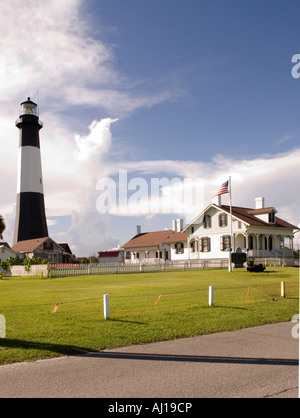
78	326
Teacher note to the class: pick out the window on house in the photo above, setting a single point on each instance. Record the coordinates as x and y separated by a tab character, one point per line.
251	242
128	255
207	221
192	229
225	243
223	219
179	248
204	245
271	217
193	246
48	245
270	243
158	254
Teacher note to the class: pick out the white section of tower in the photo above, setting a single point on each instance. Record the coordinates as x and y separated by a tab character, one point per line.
30	177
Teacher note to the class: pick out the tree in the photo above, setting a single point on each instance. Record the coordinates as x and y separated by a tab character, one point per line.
2	226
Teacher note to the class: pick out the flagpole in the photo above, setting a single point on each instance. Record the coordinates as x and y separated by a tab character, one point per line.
231	237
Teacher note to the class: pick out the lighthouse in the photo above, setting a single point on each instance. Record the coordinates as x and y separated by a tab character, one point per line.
30	212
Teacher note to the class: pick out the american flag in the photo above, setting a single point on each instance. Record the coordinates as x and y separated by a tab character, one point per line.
222	190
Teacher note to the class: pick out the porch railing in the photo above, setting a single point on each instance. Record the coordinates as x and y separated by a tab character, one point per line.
270	254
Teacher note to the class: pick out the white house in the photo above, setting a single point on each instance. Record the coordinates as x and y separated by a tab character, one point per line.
147	248
6	252
157	247
257	232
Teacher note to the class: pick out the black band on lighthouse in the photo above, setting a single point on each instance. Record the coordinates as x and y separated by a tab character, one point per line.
30	217
29	126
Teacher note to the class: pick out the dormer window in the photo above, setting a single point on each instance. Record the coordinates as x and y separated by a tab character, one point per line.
271	217
48	245
223	219
207	221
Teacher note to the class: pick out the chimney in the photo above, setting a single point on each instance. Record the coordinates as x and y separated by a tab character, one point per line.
216	200
174	226
177	225
138	230
259	203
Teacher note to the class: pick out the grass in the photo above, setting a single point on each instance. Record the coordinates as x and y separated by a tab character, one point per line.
78	326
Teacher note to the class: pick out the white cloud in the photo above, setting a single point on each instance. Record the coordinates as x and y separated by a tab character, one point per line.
274	177
51	49
98	140
89	233
53	53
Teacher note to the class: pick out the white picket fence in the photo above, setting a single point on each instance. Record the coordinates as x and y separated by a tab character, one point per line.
97	269
65	270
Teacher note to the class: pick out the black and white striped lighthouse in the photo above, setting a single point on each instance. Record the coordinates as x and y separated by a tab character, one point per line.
30	214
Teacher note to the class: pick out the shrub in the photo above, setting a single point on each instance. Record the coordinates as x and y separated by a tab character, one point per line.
27	262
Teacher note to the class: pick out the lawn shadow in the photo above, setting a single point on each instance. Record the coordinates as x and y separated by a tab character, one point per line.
230	307
126	321
62	349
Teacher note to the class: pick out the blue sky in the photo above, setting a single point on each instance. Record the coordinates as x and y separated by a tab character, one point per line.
228	62
194	88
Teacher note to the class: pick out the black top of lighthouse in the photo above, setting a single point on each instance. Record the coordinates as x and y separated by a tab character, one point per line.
29	101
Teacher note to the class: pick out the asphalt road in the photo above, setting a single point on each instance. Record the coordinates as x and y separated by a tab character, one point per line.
260	362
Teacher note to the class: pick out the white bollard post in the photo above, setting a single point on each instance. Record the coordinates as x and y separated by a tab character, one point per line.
2	327
283	289
211	296
106	306
229	262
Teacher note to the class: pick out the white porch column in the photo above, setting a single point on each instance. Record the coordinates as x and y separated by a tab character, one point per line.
257	241
267	239
246	235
